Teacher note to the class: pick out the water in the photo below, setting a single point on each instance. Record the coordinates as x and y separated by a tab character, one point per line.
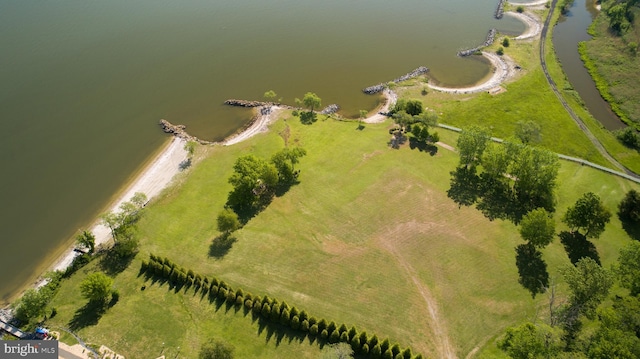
570	30
84	83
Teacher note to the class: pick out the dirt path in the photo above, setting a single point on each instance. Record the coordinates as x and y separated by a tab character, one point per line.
436	322
391	98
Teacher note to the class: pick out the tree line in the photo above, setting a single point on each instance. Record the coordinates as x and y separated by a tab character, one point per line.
274	312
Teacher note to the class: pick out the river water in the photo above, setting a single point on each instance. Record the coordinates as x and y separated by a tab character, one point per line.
83	85
570	30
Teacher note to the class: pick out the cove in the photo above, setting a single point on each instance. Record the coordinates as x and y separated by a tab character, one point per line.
84	85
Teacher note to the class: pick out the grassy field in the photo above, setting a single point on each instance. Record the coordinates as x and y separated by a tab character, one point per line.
368	238
366	231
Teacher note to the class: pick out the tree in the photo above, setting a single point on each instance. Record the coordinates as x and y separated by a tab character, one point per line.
119	223
87	240
96	287
528	131
216	349
311	101
285	161
227	221
471	145
589	284
414	107
190	147
253	181
588	214
500	51
629	208
32	304
628	267
538	228
529	341
505	42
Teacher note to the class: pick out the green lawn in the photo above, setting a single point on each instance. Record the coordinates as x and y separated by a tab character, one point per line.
367	228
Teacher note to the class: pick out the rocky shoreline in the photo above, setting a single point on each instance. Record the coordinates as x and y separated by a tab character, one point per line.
491	37
381	86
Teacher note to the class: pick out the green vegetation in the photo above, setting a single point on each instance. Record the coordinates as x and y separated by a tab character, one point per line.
343	216
96	287
368	236
611	57
87	240
588	214
215	349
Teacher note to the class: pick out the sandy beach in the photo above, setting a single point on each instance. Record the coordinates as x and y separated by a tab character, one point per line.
153	179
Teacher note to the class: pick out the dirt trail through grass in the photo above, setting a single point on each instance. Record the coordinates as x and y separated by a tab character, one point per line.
437	323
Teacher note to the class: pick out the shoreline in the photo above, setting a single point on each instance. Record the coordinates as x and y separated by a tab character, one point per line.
154	176
157	174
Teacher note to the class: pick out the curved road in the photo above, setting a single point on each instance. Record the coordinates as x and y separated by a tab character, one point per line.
574	116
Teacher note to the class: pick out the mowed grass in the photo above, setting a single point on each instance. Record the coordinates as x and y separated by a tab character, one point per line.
349	243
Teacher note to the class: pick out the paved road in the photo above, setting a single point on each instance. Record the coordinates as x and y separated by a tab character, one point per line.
573	115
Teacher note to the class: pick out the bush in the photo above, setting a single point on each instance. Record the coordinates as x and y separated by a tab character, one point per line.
376	352
334	337
520	9
295	322
240	301
385	345
332	326
363	338
500	51
303	315
352	333
395	349
344	337
313	330
266	310
322	324
324	334
248	303
231	296
312	319
285	319
365	349
304	326
505	42
257	307
373	341
355	344
222	293
213	290
629	137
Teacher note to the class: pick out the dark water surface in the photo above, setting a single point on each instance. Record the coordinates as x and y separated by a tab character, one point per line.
570	30
84	83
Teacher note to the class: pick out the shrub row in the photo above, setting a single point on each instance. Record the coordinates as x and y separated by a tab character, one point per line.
275	311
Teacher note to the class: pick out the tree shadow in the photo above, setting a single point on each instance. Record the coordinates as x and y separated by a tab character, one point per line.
578	246
119	257
184	164
496	201
397	140
632	229
532	269
88	315
464	186
307	117
422	146
221	245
